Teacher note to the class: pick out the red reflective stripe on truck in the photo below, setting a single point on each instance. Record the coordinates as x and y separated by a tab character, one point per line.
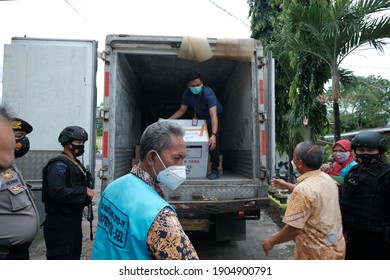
182	206
105	144
107	84
263	143
261	93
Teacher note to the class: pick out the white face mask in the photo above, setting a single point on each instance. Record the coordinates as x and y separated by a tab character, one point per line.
173	176
295	169
294	166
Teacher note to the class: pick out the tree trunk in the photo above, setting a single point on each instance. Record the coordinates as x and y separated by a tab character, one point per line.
336	105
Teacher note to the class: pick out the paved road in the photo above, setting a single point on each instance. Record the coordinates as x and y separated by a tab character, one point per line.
250	249
206	246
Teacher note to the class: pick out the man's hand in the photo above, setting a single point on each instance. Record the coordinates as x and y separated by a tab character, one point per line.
212	142
90	193
267	245
325	167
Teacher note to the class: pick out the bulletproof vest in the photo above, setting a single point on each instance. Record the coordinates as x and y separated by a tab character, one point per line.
362	198
74	174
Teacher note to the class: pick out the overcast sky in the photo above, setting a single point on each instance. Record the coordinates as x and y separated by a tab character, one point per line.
94	19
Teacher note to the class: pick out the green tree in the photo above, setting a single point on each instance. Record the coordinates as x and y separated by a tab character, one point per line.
99	122
299	78
333	30
364	103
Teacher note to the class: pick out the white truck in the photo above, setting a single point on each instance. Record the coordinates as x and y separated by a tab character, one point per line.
52	84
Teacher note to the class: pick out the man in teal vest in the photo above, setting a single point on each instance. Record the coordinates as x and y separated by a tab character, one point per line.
134	220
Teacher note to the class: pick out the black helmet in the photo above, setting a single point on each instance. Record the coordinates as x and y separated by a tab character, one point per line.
369	139
72	133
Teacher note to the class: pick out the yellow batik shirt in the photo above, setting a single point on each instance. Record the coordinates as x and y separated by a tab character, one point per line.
314	208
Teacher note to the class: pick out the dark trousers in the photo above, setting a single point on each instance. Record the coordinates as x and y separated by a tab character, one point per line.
63	245
15	252
366	245
214	154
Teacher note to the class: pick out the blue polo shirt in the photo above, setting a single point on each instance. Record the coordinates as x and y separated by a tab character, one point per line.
202	102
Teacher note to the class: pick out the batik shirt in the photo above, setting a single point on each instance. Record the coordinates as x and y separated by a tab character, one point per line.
314	208
166	238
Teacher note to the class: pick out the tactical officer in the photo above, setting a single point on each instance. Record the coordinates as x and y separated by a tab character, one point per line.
365	200
19	223
65	192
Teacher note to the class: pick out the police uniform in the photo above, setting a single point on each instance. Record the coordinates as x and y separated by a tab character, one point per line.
19	219
365	207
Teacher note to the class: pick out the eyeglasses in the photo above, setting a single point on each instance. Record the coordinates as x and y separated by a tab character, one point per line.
338	151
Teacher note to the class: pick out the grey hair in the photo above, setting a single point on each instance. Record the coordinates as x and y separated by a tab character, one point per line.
157	136
310	154
4	115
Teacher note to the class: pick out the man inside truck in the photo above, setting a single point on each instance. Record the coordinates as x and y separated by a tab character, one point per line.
207	107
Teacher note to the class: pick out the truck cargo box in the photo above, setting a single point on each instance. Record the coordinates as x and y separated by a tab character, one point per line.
52	84
145	77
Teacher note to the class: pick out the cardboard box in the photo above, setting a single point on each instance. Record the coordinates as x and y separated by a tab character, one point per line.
196	139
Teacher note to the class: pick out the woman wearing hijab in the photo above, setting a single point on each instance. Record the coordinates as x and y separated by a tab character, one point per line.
343	159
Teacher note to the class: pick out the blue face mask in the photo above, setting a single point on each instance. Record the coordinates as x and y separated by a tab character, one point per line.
196	90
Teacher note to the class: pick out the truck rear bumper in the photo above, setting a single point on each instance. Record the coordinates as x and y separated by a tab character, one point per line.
217	207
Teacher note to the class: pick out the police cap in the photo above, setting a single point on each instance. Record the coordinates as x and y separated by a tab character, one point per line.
21	125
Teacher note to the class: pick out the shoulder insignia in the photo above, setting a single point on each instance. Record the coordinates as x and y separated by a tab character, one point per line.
7	175
16	189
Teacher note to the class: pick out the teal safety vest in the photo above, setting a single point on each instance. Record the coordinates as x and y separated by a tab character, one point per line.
126	211
345	170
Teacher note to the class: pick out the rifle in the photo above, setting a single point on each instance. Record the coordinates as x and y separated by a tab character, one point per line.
91	185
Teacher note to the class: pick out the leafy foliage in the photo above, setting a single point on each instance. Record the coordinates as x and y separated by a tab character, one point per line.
299	77
99	122
333	30
364	103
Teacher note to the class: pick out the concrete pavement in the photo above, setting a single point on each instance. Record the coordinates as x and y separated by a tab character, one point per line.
207	248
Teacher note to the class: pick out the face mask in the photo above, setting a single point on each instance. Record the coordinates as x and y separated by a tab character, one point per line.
368	160
22	146
294	166
80	149
294	169
196	90
341	156
173	176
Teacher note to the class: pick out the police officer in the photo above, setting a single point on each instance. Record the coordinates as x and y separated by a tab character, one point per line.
7	140
19	222
365	200
65	192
